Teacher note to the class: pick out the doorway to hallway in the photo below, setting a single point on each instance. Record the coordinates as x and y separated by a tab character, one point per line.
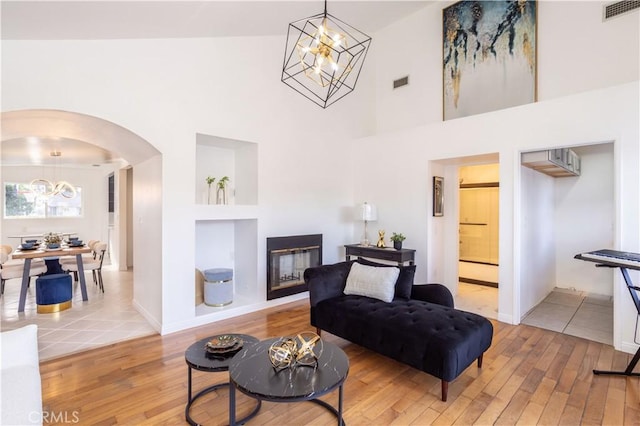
479	212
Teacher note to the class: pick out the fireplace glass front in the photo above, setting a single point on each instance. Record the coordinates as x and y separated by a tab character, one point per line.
287	259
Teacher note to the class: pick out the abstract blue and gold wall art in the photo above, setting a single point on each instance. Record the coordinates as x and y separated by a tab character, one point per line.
489	56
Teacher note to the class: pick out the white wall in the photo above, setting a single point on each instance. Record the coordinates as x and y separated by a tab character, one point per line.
167	91
593	107
148	244
584	215
538	238
562	217
576	52
310	176
609	114
91	226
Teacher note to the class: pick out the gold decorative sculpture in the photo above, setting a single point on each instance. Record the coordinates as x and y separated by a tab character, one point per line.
310	348
304	350
282	353
380	239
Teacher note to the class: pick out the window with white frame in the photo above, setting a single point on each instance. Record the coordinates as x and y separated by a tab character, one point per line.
20	202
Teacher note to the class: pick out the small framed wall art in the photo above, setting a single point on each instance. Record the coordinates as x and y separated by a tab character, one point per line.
489	56
438	196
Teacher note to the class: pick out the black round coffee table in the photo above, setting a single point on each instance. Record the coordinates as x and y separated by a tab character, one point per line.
198	358
251	372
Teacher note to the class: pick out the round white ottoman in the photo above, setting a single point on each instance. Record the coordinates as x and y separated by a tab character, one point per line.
218	286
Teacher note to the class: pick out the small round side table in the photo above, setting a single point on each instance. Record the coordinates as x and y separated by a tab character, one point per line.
198	358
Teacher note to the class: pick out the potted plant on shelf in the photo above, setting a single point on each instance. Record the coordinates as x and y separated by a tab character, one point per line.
221	194
210	181
397	240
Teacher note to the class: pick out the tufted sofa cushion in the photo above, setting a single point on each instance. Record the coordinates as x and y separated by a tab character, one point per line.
436	339
405	278
372	281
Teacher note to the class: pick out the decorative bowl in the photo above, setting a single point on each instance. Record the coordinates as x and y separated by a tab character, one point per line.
224	344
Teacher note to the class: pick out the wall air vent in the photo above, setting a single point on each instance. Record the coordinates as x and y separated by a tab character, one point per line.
400	82
618	8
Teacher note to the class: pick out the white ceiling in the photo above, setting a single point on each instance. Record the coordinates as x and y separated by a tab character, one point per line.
58	20
114	19
37	150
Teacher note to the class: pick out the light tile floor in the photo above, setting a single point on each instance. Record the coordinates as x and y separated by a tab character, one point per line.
576	313
479	299
105	318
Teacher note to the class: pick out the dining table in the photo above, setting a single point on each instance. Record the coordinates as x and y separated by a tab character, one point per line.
41	252
24	237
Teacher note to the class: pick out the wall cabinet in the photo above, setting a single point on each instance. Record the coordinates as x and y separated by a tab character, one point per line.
561	162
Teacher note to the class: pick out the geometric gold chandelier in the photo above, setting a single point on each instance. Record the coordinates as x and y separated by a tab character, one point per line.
323	57
46	188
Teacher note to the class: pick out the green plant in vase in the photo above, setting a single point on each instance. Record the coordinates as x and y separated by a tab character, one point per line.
221	193
210	181
51	238
397	240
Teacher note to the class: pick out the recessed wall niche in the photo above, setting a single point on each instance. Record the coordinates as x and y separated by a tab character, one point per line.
218	157
227	235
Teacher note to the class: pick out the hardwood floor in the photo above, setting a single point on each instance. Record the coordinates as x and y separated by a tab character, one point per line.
529	376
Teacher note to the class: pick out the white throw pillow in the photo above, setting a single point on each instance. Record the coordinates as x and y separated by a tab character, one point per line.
372	281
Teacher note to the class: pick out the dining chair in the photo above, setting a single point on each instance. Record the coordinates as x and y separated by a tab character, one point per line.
93	265
71	260
8	272
7	249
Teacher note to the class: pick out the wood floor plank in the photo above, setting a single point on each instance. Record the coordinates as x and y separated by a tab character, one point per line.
529	376
474	410
530	415
514	408
594	407
614	406
411	414
554	408
453	411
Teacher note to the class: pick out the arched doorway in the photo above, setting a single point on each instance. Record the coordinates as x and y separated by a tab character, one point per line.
26	130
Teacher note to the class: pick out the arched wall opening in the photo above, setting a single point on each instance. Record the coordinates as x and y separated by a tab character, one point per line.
137	219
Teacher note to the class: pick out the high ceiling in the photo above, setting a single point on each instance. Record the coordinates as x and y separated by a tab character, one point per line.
56	20
88	20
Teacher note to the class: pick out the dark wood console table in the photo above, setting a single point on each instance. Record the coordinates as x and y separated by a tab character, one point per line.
400	256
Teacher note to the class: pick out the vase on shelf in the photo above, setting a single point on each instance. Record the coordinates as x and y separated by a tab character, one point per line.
397	245
221	195
209	197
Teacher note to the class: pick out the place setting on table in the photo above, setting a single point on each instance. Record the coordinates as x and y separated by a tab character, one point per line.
50	242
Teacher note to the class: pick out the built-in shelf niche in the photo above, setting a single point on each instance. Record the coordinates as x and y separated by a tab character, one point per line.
227	235
230	244
218	157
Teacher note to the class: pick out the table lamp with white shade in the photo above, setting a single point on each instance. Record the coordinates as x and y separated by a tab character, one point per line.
367	213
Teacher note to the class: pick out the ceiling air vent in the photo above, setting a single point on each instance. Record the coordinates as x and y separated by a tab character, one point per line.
400	82
620	7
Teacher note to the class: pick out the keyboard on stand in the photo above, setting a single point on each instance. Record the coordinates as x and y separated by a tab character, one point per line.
612	258
623	260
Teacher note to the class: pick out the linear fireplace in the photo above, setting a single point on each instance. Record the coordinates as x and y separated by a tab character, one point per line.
287	258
